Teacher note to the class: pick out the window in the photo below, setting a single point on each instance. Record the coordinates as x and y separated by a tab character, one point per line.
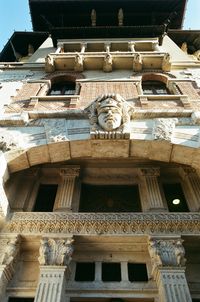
85	271
21	299
111	272
63	88
137	272
175	197
100	198
154	88
45	198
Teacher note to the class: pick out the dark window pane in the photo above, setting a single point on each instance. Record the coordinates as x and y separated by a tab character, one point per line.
111	272
45	198
173	194
63	88
154	88
109	199
85	271
21	299
137	272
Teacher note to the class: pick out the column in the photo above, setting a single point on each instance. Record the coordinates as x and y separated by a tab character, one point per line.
153	195
168	269
65	192
98	271
124	271
131	46
83	47
192	182
9	251
55	256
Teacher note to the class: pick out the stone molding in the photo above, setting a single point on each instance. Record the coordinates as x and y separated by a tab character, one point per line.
55	251
116	223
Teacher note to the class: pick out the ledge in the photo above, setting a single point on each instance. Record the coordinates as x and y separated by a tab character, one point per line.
105	223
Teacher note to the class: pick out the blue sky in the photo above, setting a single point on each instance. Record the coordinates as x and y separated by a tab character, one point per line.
15	15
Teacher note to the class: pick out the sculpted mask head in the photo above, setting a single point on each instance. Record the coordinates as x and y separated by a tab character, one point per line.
109	114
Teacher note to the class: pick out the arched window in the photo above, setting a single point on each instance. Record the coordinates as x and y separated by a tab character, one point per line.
63	88
150	87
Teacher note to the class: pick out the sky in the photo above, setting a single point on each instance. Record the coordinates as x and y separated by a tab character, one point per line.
15	16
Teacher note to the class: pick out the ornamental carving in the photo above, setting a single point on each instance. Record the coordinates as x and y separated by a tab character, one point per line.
163	128
110	117
72	171
96	223
55	251
166	252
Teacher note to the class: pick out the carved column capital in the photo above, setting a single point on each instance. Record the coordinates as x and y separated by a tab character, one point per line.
150	172
71	171
54	251
166	252
9	252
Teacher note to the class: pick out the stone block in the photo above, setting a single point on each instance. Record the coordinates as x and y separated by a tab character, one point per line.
59	151
80	149
38	155
106	148
17	160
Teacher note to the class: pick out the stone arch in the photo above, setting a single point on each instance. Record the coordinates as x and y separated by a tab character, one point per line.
64	151
159	77
63	76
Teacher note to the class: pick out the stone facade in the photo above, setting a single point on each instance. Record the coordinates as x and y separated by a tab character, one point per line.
110	147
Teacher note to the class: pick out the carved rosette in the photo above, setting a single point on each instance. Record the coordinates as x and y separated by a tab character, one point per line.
55	251
110	117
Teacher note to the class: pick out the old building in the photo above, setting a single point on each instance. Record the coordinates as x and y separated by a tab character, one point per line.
99	138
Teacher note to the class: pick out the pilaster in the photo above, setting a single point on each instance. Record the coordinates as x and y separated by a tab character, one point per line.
54	259
65	192
168	269
152	190
192	181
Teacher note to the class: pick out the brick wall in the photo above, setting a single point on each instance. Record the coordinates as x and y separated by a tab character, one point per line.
27	90
189	89
90	91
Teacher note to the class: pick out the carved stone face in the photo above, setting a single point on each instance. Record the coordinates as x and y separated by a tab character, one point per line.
109	114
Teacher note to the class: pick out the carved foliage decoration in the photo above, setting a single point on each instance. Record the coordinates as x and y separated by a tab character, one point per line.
167	252
163	128
110	117
55	251
100	223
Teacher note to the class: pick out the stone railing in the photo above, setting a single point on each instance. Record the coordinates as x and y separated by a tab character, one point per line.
105	223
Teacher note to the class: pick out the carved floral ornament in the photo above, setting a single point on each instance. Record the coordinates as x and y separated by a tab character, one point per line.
166	252
55	251
110	117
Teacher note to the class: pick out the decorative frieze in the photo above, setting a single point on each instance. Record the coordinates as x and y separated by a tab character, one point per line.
115	223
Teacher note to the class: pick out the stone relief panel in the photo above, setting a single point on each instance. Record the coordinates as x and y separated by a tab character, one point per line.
55	251
110	117
163	128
